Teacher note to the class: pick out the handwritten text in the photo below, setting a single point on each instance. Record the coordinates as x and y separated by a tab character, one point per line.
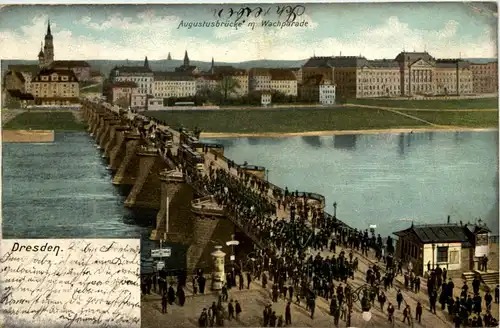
70	283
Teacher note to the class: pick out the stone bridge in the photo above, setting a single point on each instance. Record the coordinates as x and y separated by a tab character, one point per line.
186	212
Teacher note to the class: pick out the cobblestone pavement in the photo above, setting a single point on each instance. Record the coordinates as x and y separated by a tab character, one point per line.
254	300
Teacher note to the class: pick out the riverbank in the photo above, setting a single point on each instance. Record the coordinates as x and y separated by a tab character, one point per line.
343	132
298	121
64	120
30	136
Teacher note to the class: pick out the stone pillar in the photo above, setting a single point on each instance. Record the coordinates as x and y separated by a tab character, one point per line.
218	273
175	201
97	124
128	169
146	192
109	135
209	225
113	138
117	153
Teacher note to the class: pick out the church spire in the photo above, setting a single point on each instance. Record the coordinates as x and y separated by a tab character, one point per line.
169	57
48	28
146	62
186	59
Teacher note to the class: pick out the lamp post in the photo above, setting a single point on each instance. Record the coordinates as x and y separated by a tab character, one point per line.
433	254
360	294
335	209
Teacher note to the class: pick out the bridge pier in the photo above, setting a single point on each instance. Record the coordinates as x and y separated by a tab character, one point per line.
103	128
177	208
211	227
109	134
117	153
126	173
146	192
96	120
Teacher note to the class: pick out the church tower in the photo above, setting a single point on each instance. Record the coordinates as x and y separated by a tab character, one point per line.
49	47
146	62
212	68
186	59
41	56
169	57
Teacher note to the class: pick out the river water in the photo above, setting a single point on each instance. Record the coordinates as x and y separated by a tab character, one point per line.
63	189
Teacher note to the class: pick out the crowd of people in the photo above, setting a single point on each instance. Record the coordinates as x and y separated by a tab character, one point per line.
286	255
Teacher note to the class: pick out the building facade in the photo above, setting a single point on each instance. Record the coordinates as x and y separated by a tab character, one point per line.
120	93
142	75
327	93
80	67
274	79
485	77
409	74
452	246
55	87
173	84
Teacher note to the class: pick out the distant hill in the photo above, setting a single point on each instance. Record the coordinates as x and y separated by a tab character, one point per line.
105	66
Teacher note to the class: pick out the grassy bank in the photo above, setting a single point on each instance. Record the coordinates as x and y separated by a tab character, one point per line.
463	119
486	103
290	120
58	121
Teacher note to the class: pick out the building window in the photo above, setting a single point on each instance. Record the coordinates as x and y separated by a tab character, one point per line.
454	257
442	255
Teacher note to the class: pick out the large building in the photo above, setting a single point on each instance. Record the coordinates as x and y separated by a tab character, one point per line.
46	62
121	93
173	85
55	87
485	77
143	76
317	89
232	80
409	74
273	79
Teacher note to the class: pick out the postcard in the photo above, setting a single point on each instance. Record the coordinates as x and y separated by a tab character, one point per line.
246	164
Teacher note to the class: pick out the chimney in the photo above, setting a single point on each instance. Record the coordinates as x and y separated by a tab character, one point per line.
448	219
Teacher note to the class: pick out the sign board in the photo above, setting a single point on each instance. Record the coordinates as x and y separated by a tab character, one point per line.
160	265
232	243
232	257
162	252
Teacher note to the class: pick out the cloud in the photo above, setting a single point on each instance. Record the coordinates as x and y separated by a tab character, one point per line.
155	36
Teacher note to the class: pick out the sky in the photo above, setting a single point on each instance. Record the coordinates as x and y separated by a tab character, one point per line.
373	30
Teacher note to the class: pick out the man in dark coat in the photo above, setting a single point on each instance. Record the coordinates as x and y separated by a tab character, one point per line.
201	282
238	309
288	314
171	295
418	311
164	303
230	310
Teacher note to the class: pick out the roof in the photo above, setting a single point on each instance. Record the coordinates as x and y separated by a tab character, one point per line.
257	71
20	95
19	75
69	63
282	74
477	229
413	56
123	84
95	74
452	63
317	62
131	70
173	76
434	233
228	70
64	72
33	69
314	80
383	63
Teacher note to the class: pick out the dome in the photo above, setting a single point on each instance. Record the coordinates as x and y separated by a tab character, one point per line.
40	54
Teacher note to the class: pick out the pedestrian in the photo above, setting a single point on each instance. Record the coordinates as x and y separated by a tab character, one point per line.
225	294
164	303
280	321
418	311
381	300
406	314
399	299
238	309
288	314
203	320
497	294
488	299
230	310
249	280
390	312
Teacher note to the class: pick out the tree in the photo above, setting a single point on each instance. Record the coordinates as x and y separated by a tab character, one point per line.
227	86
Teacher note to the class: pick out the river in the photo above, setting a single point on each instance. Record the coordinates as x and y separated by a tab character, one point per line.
63	189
